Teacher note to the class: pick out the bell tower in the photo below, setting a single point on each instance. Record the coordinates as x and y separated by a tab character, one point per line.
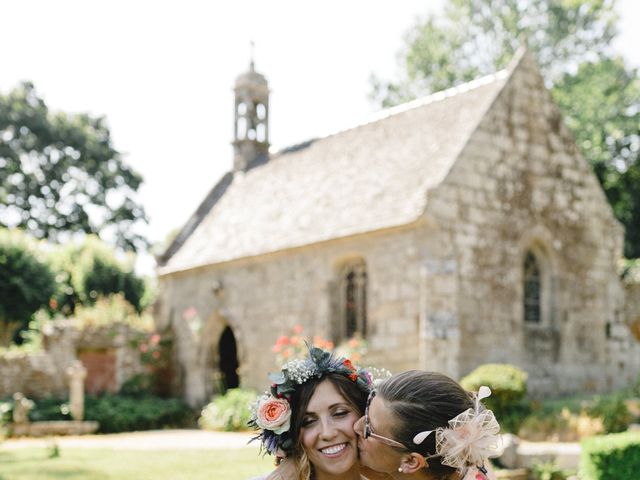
251	129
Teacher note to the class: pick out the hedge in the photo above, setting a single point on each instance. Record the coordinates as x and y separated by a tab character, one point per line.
611	457
508	385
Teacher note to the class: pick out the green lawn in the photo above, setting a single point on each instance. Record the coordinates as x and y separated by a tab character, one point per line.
81	464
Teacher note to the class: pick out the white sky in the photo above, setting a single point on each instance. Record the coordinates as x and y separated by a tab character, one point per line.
162	73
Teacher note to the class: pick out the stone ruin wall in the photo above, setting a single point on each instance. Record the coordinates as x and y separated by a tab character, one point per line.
43	374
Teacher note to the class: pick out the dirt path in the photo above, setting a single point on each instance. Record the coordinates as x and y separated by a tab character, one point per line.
151	440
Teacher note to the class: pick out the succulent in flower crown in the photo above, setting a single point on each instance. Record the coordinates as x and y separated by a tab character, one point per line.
271	412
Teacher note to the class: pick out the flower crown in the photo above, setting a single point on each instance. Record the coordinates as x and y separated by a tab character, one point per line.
271	412
470	438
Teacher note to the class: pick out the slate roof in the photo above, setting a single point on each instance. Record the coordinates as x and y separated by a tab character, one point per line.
373	176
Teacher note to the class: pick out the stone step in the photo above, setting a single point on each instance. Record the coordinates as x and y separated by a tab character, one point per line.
44	429
565	455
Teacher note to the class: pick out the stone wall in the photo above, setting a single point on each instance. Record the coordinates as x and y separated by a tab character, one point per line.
43	374
444	293
521	185
263	298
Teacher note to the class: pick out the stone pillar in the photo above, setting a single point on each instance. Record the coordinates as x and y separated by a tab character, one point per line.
76	373
21	407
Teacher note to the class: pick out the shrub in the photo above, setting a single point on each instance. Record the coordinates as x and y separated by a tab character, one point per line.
156	353
550	471
508	389
110	310
26	282
547	424
610	457
87	271
230	412
119	413
613	411
5	417
49	409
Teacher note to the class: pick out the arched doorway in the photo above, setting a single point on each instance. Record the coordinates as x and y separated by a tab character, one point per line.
228	351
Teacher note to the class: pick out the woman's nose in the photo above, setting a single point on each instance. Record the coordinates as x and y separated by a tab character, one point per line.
328	429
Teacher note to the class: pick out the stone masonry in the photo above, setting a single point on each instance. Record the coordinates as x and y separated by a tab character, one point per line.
449	222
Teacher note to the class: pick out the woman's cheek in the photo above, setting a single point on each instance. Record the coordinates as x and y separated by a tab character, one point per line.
307	437
350	421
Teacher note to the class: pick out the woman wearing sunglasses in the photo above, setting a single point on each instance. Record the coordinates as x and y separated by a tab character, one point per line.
424	425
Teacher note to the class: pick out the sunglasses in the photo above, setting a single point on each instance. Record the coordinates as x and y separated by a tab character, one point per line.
368	431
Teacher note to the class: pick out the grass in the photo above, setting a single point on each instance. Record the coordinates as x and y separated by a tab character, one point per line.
84	464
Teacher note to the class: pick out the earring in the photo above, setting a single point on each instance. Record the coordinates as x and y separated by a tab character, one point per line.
400	469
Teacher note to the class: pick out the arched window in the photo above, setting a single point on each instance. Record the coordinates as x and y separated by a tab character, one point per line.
352	305
532	289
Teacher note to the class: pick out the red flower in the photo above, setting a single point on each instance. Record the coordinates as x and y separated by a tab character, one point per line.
347	363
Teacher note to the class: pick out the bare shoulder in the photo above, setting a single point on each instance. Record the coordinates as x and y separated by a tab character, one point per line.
285	471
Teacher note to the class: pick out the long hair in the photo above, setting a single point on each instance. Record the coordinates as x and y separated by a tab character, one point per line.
420	401
353	395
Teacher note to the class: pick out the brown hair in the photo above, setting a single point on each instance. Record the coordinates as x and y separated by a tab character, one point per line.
354	395
420	401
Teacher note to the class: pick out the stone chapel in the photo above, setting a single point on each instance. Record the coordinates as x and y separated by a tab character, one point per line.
458	229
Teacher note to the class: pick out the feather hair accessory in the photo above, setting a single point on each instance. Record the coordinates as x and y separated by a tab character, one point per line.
470	439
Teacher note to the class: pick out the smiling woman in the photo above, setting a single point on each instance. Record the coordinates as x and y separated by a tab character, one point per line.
326	411
309	415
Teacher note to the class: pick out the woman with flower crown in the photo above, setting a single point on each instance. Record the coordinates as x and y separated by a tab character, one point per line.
425	426
308	416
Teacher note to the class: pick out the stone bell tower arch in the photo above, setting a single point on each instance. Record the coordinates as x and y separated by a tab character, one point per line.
251	126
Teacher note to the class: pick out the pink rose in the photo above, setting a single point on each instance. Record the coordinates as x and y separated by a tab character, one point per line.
274	414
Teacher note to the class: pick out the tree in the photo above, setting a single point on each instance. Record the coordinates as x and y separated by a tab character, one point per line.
602	106
479	37
59	173
599	94
90	270
26	283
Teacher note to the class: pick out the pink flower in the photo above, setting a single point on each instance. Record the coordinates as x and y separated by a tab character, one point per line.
297	329
273	414
144	348
156	354
155	339
190	313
